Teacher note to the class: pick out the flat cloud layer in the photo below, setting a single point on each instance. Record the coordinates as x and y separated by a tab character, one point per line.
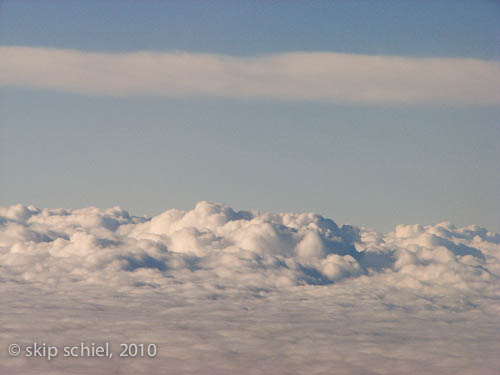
224	291
324	76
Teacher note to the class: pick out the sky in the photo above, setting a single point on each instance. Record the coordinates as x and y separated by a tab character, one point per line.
305	187
371	113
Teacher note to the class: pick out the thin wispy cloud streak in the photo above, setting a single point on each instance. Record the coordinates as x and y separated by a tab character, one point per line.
312	76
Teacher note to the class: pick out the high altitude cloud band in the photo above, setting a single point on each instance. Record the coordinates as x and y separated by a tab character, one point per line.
323	76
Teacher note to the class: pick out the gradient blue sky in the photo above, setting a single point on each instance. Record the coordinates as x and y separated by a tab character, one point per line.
367	164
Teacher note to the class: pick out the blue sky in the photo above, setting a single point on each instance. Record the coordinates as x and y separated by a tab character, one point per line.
356	160
457	28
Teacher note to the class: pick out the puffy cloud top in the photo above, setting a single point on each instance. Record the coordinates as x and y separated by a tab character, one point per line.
217	246
241	292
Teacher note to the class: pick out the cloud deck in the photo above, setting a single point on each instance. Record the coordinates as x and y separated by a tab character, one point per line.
222	291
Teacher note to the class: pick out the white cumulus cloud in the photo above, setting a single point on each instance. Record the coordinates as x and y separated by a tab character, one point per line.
225	291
